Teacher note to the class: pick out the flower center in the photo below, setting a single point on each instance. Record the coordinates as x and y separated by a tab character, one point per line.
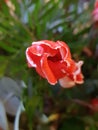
56	57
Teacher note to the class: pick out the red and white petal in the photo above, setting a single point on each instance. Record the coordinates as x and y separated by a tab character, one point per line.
77	75
71	66
64	49
29	59
51	44
78	68
34	61
36	50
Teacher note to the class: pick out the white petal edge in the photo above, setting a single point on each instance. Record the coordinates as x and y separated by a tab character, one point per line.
30	60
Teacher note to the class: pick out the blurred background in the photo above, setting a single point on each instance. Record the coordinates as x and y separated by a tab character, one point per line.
49	107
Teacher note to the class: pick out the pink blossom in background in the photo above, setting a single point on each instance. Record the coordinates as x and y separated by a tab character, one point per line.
95	12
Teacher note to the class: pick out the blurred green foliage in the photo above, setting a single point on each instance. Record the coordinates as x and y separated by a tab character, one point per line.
25	21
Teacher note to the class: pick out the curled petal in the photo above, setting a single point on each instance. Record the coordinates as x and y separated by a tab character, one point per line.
34	60
47	71
36	50
77	75
48	43
29	59
64	49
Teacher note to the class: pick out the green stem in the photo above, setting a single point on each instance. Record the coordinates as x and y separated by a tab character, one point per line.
30	126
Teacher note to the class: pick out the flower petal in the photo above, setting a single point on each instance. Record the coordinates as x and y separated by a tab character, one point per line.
51	44
34	61
62	68
66	82
77	76
79	79
64	49
57	68
29	59
47	71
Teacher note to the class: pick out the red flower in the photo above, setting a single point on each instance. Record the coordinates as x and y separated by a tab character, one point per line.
95	12
94	103
6	1
52	60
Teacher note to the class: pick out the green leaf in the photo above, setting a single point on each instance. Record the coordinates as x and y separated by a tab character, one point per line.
7	47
